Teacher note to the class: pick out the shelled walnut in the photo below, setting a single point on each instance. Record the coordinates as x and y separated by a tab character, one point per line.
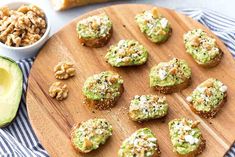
23	26
64	70
58	91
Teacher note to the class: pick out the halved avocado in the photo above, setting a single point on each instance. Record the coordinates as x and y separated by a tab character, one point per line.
11	81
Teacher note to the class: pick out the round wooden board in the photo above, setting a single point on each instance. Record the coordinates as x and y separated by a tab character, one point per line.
52	120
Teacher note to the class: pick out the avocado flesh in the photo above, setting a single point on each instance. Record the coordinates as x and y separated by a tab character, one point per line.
11	81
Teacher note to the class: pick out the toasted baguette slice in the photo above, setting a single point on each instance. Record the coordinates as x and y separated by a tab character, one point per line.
95	31
97	43
145	143
198	151
211	95
163	40
203	48
173	89
186	137
126	53
171	76
89	144
101	91
67	4
146	107
213	62
154	26
212	113
103	104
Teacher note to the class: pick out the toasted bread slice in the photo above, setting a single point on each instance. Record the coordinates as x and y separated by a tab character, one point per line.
203	48
126	53
92	140
173	89
103	104
213	62
154	26
101	91
212	113
95	31
186	137
164	39
146	107
145	143
97	43
198	151
171	76
208	98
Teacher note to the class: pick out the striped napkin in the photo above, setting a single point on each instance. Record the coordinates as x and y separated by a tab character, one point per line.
19	139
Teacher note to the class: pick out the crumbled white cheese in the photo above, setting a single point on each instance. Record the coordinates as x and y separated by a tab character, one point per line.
121	51
190	139
162	74
135	142
164	22
121	42
223	88
152	139
136	96
178	126
143	98
204	97
118	60
193	132
187	128
189	99
148	153
151	144
135	55
99	131
148	16
201	89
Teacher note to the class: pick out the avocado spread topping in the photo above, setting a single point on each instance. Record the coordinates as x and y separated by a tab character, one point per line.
148	107
127	53
91	133
105	85
170	73
94	27
141	143
156	27
185	135
208	95
200	46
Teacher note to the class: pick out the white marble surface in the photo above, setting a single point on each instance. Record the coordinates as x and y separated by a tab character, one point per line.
59	19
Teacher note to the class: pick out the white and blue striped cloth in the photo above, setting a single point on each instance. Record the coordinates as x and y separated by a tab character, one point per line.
19	139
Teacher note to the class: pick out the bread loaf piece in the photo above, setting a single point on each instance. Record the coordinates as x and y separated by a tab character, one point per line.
66	4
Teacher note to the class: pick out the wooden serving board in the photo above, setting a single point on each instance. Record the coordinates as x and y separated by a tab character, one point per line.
52	120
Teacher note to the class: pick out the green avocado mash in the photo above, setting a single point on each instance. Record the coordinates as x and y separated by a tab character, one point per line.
156	27
105	85
170	73
141	143
185	135
200	46
94	27
91	134
208	95
127	53
148	107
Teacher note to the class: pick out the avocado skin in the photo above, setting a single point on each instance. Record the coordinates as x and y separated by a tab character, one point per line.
20	86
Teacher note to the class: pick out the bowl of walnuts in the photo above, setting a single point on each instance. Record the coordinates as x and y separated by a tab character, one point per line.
24	29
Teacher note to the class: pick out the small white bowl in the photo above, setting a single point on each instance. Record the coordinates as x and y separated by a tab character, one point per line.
18	53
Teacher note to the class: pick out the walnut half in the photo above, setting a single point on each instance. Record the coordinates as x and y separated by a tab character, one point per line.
64	70
58	91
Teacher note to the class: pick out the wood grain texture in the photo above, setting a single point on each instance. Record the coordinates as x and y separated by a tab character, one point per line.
52	120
